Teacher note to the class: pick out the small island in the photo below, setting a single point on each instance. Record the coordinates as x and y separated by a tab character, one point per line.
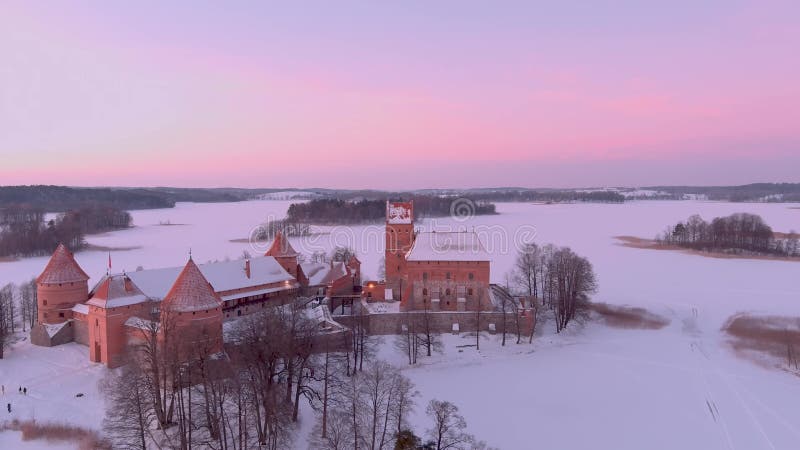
740	235
24	230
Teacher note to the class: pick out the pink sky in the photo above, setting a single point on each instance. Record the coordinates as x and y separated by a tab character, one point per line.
429	94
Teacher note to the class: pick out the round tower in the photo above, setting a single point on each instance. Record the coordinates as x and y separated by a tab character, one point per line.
61	286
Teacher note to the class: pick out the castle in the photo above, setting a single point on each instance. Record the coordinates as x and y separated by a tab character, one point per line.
434	270
441	272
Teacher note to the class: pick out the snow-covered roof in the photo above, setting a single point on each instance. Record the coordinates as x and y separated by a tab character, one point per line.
399	212
323	273
53	328
116	290
447	246
62	268
191	292
252	293
81	308
142	324
223	276
321	315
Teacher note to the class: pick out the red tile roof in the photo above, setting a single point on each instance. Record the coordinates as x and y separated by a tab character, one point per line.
191	292
116	290
280	247
62	268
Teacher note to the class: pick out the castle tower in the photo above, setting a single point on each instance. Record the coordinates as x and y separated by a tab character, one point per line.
283	252
192	312
62	285
399	239
114	300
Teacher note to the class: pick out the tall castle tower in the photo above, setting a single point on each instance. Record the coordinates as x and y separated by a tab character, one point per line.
62	285
399	239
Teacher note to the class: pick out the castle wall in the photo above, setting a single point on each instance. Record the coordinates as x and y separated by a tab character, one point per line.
80	332
447	281
440	322
51	335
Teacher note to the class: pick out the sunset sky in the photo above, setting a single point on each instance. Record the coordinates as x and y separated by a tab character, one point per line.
399	95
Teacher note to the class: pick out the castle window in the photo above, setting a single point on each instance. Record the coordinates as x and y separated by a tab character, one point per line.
61	314
44	302
447	292
470	291
424	275
448	275
471	275
425	291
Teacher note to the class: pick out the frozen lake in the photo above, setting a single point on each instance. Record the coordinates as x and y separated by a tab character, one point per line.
626	276
677	387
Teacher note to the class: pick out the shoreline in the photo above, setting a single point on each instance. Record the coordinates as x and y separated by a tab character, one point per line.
651	244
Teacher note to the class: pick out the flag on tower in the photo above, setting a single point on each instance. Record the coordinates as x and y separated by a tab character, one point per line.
109	260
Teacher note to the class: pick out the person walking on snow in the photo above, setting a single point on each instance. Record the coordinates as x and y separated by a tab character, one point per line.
24	391
9	407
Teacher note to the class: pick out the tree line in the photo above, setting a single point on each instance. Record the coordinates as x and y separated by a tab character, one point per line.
756	192
64	198
25	232
740	232
337	211
174	393
554	196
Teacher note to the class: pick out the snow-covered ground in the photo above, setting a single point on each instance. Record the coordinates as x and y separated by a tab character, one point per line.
595	387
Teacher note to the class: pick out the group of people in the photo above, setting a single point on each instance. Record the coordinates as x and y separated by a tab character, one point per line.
22	390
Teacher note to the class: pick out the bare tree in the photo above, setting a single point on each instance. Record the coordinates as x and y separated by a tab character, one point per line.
573	280
342	253
448	430
375	403
129	416
7	315
527	270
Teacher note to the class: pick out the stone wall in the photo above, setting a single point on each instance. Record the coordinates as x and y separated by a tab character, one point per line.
440	322
40	336
80	332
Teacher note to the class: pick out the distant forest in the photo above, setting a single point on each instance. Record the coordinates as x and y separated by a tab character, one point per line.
757	192
62	198
549	196
24	231
337	212
736	233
